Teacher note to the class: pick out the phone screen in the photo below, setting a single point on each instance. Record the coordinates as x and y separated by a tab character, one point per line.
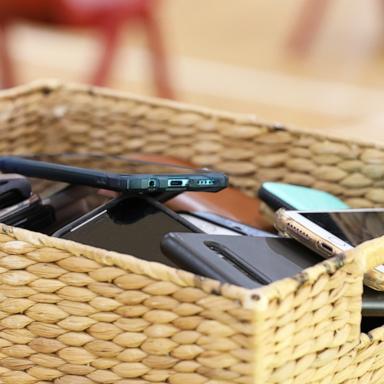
351	226
133	226
72	202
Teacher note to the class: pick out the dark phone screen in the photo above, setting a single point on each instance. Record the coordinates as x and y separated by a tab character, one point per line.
71	202
133	226
354	227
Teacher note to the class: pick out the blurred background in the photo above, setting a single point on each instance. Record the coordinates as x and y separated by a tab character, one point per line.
311	64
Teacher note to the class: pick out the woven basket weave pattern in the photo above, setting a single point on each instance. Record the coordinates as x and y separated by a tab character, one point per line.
74	314
69	314
70	311
248	151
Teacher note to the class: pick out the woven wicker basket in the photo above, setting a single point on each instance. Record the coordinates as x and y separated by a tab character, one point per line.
75	314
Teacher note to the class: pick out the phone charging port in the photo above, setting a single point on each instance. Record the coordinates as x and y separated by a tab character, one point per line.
178	183
327	247
175	183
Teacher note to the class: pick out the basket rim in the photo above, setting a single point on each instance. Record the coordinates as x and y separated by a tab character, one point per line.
51	85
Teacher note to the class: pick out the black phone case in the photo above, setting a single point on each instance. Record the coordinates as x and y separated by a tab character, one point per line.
242	260
198	258
129	183
273	201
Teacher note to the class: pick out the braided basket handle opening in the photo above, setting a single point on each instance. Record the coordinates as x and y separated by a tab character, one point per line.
370	256
370	253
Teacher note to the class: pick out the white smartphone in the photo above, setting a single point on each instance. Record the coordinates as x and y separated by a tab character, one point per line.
332	232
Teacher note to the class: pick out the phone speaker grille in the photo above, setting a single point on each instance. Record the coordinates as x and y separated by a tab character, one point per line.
298	231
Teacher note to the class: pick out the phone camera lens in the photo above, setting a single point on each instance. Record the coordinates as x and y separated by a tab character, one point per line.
152	183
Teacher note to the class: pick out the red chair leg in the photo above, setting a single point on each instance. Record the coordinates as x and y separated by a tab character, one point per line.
158	57
111	36
308	24
7	73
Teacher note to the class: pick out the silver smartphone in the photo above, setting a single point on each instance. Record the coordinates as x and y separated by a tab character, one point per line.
329	233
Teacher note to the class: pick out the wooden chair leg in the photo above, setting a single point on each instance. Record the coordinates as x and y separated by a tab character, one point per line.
6	67
158	56
308	25
111	37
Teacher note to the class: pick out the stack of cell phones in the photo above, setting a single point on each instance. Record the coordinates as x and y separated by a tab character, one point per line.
145	228
113	173
204	243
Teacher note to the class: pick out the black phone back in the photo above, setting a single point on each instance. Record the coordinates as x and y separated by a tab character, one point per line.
242	260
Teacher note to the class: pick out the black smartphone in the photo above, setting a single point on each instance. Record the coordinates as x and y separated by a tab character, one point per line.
130	175
73	201
13	189
246	261
131	225
29	214
70	202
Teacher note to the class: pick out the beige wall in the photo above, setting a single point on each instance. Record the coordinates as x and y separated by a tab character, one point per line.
232	54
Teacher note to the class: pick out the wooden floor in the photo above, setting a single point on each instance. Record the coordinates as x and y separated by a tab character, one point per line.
233	55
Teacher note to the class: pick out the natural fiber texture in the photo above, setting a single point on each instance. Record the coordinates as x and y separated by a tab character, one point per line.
53	117
71	311
74	314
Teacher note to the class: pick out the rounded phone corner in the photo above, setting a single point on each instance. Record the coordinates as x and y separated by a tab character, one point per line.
281	221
